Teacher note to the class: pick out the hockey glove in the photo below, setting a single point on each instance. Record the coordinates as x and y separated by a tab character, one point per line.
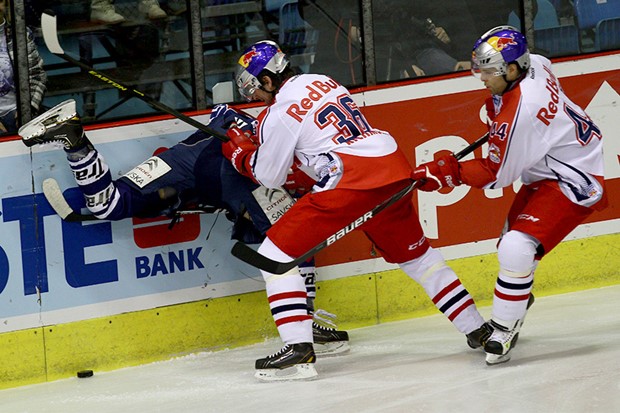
239	151
298	183
223	116
438	174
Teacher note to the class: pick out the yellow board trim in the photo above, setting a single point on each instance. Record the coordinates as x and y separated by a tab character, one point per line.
59	351
22	358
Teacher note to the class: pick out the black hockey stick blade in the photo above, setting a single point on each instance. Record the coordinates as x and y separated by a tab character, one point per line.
248	255
254	258
50	37
54	196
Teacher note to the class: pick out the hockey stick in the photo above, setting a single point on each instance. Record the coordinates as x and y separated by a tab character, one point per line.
254	258
54	196
50	37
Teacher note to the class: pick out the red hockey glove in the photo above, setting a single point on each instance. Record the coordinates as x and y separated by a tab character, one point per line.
298	182
239	150
444	172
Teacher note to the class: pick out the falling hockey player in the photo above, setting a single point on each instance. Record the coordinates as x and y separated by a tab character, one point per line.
192	172
539	135
314	119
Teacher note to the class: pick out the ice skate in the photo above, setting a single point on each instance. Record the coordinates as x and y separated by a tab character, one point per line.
329	341
501	342
292	362
60	125
504	338
479	336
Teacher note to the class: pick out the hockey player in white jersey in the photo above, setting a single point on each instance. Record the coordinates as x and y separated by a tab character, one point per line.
312	120
539	135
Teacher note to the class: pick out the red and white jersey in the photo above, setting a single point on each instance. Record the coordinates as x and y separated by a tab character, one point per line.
537	133
315	120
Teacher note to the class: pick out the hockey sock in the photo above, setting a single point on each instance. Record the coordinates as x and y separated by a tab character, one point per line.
287	299
511	296
308	272
445	290
93	176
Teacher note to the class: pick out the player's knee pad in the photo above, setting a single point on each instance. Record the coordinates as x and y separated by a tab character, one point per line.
271	250
425	266
516	254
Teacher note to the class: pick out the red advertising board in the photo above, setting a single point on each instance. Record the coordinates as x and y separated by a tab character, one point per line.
474	217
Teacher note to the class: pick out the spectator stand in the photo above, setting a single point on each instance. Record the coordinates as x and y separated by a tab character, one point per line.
152	56
553	36
598	23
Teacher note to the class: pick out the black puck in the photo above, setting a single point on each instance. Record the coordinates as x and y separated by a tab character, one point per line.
85	373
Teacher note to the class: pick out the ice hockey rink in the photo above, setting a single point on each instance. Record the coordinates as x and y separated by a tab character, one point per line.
567	360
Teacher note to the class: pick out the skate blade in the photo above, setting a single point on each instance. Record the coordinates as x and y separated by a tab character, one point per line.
296	372
37	127
331	349
493	359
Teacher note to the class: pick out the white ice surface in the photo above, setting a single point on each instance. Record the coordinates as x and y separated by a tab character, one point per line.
567	360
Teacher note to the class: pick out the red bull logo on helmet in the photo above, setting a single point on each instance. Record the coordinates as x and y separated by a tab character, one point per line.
247	57
260	50
499	43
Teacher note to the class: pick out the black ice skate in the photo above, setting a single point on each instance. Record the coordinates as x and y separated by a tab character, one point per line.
292	362
479	336
328	341
60	125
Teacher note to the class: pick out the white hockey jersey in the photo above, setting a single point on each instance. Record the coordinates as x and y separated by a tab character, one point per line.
315	120
537	133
